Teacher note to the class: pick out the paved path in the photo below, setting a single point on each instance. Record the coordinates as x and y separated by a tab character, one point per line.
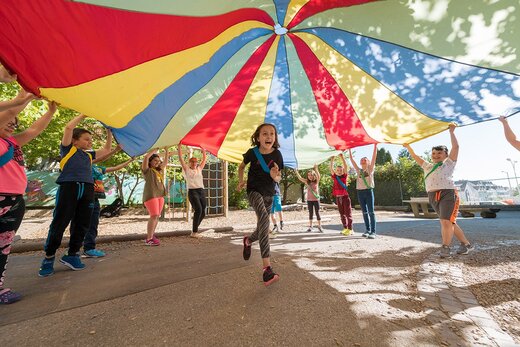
334	290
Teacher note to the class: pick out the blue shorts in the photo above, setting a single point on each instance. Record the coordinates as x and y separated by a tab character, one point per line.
277	204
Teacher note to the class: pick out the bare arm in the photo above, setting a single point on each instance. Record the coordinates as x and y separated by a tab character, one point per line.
510	135
344	162
318	176
181	159
120	166
165	159
300	178
204	158
454	153
5	76
331	165
108	155
351	157
241	182
107	148
417	159
69	128
374	158
11	108
37	127
144	165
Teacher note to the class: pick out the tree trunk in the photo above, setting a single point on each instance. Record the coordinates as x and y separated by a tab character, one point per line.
133	189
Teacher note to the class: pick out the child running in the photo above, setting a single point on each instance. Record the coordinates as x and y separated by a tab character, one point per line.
195	181
74	198
339	190
276	208
266	163
153	169
365	191
13	182
313	195
444	198
98	173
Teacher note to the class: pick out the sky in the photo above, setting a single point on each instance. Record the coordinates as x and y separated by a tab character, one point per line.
483	151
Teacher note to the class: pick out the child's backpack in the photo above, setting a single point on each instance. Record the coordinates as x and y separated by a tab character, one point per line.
112	210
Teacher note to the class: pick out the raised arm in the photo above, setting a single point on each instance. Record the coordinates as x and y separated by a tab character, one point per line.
107	148
69	128
108	155
454	152
181	159
204	158
11	108
165	159
351	157
417	159
331	165
345	166
300	178
120	166
374	158
318	176
37	127
144	164
5	76
510	135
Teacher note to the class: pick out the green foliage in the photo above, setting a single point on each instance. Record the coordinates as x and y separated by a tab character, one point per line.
383	156
236	198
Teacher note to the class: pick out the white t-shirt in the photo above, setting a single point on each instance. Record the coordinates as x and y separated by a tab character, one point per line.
360	184
194	178
441	178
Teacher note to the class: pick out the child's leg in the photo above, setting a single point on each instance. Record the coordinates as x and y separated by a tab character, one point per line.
203	205
66	200
348	211
341	209
92	233
362	197
12	210
261	205
446	231
81	220
317	208
193	196
371	214
311	212
154	207
459	234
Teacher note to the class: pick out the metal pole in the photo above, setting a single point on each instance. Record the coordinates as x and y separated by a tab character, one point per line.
513	162
508	180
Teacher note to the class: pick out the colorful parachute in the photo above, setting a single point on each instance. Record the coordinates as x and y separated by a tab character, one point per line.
330	74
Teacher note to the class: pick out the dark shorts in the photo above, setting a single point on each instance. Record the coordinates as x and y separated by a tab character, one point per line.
446	203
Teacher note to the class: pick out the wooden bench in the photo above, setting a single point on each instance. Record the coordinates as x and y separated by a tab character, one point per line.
486	211
421	208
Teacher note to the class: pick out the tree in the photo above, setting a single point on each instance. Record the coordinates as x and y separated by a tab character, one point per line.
383	156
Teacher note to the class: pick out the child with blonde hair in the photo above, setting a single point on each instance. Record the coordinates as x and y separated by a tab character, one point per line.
313	195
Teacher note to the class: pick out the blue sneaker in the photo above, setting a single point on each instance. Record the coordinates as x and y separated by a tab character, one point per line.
73	262
93	253
47	267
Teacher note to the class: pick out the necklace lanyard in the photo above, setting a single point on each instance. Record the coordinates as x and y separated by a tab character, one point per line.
364	179
435	167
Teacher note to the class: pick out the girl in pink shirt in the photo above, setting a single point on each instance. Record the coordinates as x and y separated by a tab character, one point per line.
13	183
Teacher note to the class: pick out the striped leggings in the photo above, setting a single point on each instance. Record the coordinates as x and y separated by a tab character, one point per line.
262	206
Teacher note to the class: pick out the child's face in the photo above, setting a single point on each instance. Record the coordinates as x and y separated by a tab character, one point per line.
84	142
155	162
7	128
339	170
438	156
364	162
193	163
266	137
311	176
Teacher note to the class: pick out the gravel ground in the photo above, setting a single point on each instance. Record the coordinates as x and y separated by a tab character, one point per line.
492	272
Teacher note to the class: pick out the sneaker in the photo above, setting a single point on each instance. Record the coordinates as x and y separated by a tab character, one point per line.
47	267
72	261
281	225
371	235
275	228
194	235
152	242
346	232
445	251
93	253
320	230
7	296
366	233
309	229
269	276
246	252
465	249
273	234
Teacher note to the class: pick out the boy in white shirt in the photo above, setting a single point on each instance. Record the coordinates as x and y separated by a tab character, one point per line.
444	198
